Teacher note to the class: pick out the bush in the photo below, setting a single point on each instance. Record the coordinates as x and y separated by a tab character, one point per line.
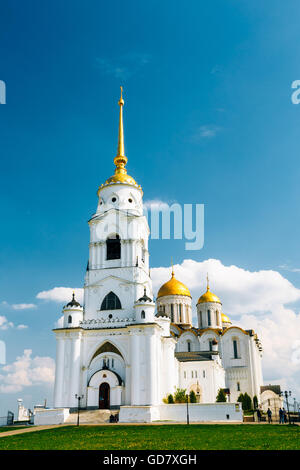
246	401
221	397
170	399
193	398
180	395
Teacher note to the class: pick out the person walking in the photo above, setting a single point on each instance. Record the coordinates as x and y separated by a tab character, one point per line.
281	417
258	415
269	413
284	415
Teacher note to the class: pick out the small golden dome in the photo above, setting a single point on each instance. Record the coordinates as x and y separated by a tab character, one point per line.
225	319
121	178
173	287
208	297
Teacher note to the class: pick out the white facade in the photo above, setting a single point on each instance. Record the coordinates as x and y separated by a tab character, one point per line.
116	350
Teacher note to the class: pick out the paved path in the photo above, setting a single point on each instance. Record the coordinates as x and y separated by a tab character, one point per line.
29	429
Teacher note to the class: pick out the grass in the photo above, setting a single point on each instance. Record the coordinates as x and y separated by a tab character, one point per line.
158	437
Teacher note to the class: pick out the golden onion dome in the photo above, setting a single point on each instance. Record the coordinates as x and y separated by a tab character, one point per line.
208	296
225	318
173	287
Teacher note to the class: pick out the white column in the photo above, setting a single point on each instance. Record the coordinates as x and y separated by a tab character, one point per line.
135	369
59	372
75	369
150	354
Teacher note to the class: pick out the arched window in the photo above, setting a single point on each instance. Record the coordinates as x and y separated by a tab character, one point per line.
189	346
113	247
180	313
69	319
217	317
143	315
208	318
235	349
111	302
172	313
238	387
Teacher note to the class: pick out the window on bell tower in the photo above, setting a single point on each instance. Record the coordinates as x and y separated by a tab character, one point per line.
113	247
111	302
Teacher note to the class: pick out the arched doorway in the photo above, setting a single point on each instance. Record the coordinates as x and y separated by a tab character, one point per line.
104	396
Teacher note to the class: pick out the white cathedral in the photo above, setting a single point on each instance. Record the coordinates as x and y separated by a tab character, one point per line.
123	350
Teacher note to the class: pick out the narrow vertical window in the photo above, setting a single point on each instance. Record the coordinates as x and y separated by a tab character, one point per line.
172	313
208	318
238	387
201	323
189	346
180	313
235	349
210	345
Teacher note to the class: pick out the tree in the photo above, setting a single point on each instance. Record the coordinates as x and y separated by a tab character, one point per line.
247	402
180	395
193	398
221	397
255	402
170	399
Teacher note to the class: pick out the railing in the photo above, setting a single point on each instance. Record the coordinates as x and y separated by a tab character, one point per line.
7	420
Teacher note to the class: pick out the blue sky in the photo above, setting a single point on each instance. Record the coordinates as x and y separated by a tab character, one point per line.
208	119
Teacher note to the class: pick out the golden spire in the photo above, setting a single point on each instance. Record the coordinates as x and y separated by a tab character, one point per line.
207	282
120	160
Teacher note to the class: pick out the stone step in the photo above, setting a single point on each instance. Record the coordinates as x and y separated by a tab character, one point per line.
92	416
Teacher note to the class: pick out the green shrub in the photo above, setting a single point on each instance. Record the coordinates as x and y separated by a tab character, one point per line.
193	398
221	397
170	399
180	395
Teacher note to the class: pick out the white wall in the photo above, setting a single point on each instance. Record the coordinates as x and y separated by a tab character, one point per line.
220	412
50	416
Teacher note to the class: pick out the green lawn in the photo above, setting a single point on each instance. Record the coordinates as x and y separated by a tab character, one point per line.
165	437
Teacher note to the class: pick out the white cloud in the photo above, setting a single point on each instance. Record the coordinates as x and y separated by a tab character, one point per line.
22	327
23	306
59	323
4	323
205	132
254	300
289	268
61	294
26	371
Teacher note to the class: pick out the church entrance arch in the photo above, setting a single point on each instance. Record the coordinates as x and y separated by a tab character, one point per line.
104	396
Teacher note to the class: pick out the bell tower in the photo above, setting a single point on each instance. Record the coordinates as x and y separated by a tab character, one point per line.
118	268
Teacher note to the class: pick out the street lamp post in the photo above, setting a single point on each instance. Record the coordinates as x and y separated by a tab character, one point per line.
287	394
78	397
187	410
